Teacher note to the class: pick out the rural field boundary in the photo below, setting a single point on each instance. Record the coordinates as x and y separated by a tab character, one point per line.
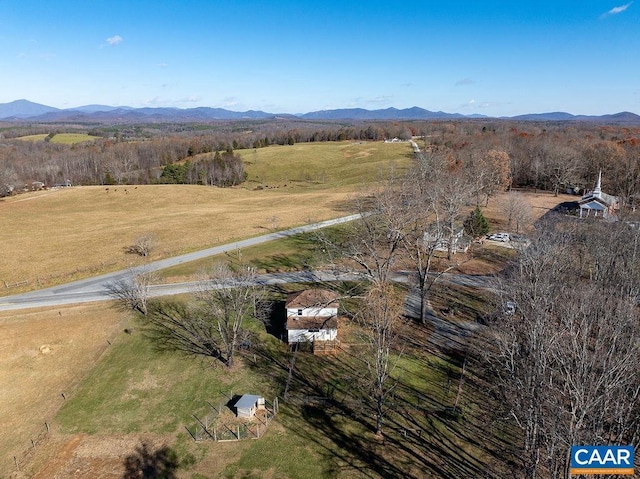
221	424
24	452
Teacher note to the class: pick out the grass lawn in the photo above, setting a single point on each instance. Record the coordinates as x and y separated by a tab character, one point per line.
138	392
287	254
139	389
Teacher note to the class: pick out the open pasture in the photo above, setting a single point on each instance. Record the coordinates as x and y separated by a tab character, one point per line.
50	237
324	165
60	138
44	354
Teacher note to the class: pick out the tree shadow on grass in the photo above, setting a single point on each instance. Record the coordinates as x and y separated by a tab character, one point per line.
326	408
145	463
275	323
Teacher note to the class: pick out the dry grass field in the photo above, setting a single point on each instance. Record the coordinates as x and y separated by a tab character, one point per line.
61	138
55	236
43	355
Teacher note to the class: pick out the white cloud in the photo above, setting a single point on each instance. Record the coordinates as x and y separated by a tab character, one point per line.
616	10
190	99
230	102
469	104
163	65
114	40
374	101
465	81
380	99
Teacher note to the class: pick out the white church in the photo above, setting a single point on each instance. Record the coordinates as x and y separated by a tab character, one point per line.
598	204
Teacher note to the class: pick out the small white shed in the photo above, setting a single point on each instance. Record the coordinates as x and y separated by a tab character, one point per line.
248	404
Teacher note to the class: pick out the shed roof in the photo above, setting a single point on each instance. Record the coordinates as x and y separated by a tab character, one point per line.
247	401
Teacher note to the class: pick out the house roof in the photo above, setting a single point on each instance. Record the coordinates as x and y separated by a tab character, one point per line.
312	322
312	297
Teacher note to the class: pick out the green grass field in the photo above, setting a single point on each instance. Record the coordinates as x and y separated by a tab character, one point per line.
325	165
137	389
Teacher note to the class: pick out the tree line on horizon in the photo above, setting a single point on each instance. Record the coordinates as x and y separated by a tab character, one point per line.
556	157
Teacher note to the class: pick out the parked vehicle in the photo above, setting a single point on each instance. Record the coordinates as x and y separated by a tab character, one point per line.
503	237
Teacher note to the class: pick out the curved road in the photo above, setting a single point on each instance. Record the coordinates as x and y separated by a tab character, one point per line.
97	288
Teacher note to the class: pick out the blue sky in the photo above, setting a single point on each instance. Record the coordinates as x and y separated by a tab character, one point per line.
495	58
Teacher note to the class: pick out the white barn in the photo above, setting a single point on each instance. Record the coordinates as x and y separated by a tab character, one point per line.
312	315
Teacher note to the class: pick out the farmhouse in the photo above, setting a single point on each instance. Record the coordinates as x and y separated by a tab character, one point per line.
596	203
312	316
248	404
459	242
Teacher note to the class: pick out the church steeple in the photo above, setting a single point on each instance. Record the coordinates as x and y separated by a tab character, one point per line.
597	191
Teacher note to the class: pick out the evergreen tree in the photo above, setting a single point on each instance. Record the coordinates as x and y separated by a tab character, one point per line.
476	224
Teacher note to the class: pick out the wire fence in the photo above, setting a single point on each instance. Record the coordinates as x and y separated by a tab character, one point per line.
221	424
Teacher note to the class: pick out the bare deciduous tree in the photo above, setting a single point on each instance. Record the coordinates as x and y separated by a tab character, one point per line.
437	192
132	292
490	173
517	210
229	298
213	325
567	361
143	245
372	245
379	319
8	180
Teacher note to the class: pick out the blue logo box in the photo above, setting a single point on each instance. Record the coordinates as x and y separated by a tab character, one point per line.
602	460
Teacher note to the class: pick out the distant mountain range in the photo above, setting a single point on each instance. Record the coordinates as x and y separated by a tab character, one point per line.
24	110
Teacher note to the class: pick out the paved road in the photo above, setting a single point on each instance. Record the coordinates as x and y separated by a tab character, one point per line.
447	334
100	291
97	288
